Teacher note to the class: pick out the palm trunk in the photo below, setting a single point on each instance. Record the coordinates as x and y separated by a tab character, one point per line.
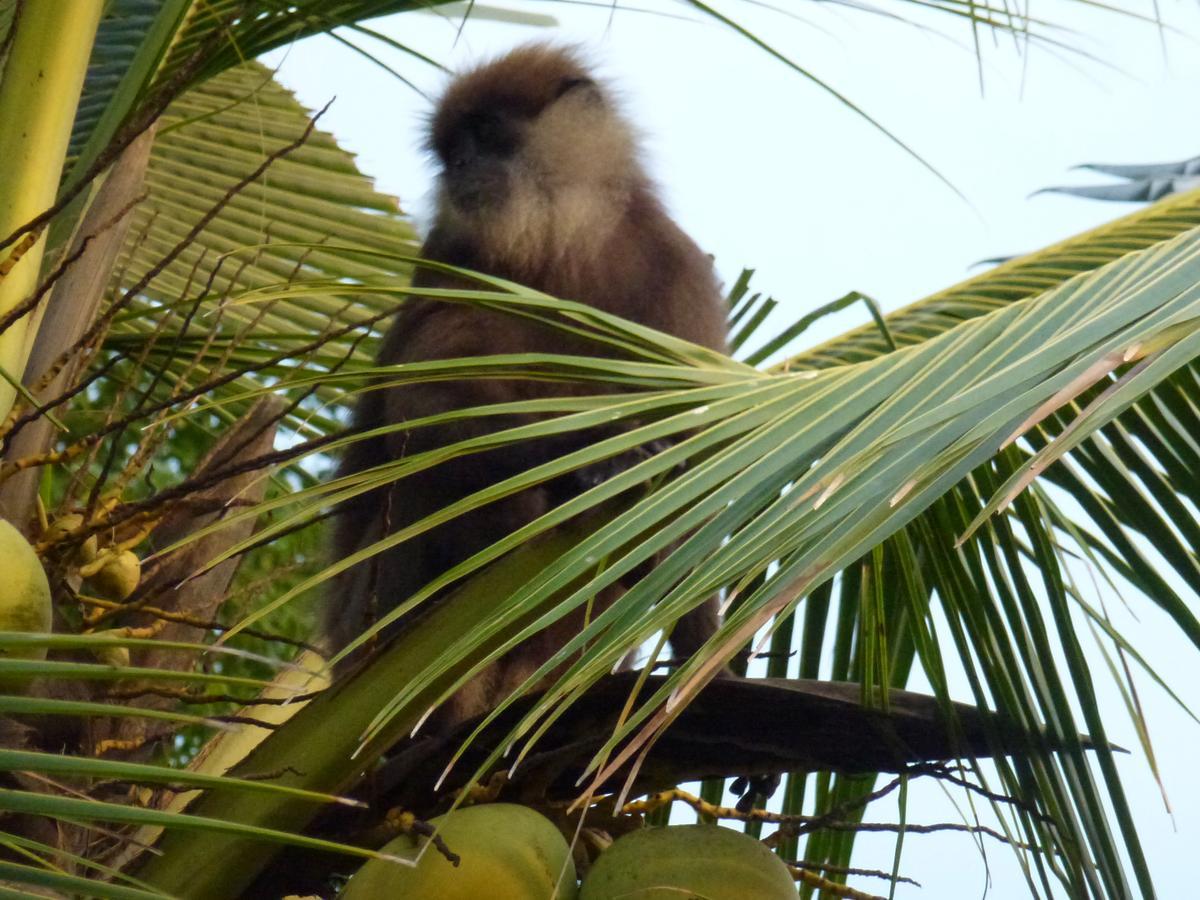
39	93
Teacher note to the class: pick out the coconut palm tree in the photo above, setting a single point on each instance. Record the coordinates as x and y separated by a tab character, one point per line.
192	274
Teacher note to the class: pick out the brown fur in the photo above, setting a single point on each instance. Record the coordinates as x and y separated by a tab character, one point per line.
540	185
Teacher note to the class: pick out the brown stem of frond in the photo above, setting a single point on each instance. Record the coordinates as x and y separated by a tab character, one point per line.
154	271
192	621
830	888
831	869
788	830
181	695
29	304
99	435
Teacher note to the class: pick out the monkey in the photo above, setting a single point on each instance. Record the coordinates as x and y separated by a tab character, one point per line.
540	182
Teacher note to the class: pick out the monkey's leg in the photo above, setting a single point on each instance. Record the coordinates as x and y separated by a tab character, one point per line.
692	631
694	628
518	665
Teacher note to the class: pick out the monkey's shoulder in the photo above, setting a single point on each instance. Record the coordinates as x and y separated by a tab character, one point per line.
428	329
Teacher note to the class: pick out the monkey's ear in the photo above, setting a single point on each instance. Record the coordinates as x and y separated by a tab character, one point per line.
570	84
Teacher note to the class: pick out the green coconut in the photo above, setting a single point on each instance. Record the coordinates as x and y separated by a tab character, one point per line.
688	862
64	526
114	575
24	593
507	852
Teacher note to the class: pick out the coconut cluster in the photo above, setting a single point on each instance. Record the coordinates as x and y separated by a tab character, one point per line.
510	852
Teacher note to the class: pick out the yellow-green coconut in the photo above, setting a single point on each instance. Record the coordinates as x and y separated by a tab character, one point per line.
24	592
114	575
508	852
688	862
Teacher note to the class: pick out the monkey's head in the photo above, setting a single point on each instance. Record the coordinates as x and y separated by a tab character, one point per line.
531	145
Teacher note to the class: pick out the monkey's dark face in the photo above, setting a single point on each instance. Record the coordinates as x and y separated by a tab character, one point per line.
477	156
522	138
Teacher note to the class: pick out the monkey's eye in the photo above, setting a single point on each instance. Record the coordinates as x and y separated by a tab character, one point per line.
491	134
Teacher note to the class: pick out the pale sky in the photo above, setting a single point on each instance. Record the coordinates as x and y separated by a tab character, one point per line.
769	172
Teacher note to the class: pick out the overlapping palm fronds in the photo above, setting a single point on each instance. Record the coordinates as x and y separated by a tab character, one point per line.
793	475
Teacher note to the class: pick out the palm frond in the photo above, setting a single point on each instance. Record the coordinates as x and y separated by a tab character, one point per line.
794	475
1140	182
311	214
1013	280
